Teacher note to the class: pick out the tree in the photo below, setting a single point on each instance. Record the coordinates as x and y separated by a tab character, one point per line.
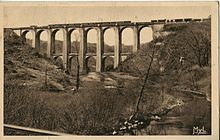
201	47
144	83
76	35
45	76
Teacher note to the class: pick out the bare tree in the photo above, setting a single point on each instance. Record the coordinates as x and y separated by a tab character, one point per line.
45	76
200	47
144	83
76	35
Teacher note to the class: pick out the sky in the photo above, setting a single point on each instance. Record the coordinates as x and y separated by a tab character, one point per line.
41	14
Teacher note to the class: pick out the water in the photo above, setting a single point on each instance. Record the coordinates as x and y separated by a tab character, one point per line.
170	126
195	113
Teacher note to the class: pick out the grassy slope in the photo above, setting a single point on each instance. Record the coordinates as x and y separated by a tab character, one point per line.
24	64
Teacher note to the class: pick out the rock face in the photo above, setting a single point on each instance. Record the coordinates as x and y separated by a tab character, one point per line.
159	32
157	27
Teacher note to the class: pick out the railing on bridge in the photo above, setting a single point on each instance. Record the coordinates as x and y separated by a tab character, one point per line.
20	130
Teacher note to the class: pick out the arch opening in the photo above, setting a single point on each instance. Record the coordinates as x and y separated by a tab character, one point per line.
27	37
90	64
58	61
92	41
146	35
127	40
74	41
73	66
108	64
109	40
43	44
58	41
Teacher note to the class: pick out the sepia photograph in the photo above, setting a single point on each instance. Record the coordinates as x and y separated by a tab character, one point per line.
110	69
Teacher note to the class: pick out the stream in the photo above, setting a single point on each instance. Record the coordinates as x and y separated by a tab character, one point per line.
193	115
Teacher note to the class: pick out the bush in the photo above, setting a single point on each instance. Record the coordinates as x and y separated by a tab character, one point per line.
95	114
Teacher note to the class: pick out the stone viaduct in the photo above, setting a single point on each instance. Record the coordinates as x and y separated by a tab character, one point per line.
83	29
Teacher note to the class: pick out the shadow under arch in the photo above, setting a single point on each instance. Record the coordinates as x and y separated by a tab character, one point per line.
73	65
90	64
24	37
58	61
108	63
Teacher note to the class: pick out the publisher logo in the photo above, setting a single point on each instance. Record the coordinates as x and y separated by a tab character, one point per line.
199	131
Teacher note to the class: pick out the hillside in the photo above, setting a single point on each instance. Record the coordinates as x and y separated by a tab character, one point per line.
25	65
181	56
183	41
